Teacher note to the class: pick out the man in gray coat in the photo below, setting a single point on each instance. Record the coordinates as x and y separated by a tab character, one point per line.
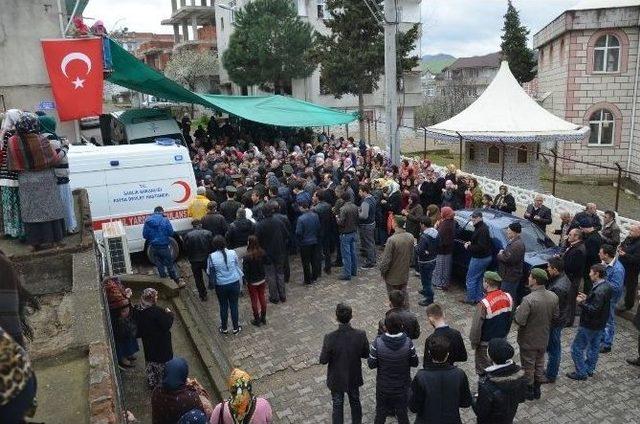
510	261
538	310
396	259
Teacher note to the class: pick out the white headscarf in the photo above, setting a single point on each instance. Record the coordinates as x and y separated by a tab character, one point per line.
11	117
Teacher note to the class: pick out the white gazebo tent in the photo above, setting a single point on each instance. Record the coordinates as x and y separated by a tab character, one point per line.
502	130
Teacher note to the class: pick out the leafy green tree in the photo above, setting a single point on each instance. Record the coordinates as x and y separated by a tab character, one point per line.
514	46
269	46
351	55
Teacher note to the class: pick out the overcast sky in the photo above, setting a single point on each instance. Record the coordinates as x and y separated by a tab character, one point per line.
457	27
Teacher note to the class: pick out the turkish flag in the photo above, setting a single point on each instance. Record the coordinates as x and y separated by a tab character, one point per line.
75	70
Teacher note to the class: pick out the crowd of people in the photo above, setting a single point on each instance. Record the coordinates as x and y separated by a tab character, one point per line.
334	202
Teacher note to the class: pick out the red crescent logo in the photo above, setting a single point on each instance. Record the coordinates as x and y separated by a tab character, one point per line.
187	191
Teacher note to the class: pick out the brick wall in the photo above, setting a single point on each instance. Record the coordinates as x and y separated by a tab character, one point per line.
576	91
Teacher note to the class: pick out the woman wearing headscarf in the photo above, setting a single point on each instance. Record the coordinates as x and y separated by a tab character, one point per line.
446	232
18	383
433	212
242	407
414	213
154	328
10	222
177	394
41	207
124	331
61	170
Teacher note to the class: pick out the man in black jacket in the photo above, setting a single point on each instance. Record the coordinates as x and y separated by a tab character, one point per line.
480	249
574	258
457	350
538	213
588	215
410	324
502	388
593	319
272	235
198	244
440	389
561	286
592	244
329	226
213	221
239	231
154	328
229	207
343	350
393	354
629	256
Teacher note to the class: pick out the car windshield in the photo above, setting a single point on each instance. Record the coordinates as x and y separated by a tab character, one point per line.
532	238
177	137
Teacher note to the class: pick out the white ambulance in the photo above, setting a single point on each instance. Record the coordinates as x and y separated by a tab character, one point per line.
127	182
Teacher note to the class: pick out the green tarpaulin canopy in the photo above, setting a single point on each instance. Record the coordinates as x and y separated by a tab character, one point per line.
281	111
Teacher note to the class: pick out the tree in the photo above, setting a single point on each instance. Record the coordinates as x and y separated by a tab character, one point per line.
453	97
351	56
514	46
189	66
269	46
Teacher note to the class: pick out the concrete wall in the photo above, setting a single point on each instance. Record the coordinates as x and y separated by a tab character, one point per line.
565	70
24	82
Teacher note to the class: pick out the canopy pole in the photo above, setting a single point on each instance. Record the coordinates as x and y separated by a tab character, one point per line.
424	152
503	158
555	167
618	185
460	161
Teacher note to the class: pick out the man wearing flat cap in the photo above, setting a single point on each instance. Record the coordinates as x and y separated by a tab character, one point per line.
510	261
538	310
491	319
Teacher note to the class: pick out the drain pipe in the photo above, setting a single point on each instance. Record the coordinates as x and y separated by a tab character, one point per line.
635	102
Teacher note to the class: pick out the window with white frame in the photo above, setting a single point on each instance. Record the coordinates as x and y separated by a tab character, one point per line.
522	153
602	126
606	54
321	6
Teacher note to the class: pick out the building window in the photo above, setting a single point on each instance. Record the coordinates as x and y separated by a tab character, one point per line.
320	6
472	152
221	24
541	60
551	54
602	127
606	54
493	154
522	154
561	51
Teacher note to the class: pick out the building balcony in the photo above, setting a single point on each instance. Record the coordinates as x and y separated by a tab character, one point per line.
185	15
196	44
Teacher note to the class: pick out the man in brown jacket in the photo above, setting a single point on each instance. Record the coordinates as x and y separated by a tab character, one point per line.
538	310
396	259
510	261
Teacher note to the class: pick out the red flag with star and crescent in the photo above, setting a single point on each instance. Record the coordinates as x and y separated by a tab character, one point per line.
75	70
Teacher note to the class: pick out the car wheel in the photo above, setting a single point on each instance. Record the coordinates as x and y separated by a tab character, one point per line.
173	246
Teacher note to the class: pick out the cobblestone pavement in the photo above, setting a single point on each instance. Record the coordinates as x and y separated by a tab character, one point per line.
283	356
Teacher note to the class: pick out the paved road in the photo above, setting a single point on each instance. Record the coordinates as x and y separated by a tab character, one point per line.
283	356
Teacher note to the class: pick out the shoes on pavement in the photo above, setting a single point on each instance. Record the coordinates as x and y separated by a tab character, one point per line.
345	278
263	319
236	331
574	376
635	362
274	301
125	365
204	298
605	349
425	302
283	299
421	292
547	380
369	266
256	322
223	330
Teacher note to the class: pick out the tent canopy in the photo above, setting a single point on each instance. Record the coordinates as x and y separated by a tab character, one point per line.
505	112
281	111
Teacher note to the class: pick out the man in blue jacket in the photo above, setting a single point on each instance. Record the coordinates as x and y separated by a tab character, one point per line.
157	231
615	278
308	234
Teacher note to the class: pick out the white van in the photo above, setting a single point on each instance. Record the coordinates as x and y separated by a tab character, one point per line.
127	182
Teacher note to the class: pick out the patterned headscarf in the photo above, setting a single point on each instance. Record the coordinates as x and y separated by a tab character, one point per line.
148	298
15	368
11	117
242	400
28	124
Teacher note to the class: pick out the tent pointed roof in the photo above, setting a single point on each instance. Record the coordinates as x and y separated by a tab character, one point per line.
505	112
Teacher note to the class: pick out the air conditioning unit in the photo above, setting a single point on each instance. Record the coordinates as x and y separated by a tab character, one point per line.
117	249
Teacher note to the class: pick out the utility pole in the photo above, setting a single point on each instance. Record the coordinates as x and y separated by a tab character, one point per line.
390	81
